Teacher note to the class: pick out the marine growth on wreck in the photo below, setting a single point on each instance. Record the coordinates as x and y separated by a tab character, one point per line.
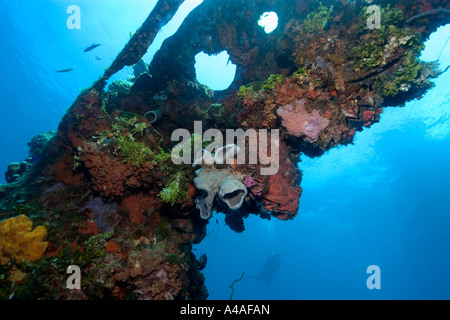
137	168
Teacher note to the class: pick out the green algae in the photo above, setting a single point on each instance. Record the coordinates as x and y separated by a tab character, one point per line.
272	81
244	91
133	152
176	189
317	20
413	72
384	42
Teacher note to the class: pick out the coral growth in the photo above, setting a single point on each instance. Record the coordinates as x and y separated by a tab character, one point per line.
317	20
103	213
301	123
110	175
16	171
19	241
161	284
37	145
253	185
282	197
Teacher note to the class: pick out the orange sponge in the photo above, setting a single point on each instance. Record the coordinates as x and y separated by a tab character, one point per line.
18	241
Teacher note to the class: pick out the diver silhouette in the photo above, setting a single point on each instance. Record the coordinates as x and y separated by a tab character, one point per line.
271	266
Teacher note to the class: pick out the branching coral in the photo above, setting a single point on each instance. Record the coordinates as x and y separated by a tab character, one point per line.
253	185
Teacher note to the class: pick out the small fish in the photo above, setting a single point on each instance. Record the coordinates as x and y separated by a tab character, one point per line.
64	70
97	58
92	47
202	261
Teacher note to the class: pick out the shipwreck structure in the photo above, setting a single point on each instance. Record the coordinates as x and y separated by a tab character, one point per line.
104	193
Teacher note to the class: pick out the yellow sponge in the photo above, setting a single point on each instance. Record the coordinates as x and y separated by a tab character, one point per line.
19	242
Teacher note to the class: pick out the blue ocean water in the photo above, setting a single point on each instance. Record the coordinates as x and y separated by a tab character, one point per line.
382	201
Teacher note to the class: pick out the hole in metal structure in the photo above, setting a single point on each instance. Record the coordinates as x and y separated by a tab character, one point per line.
215	71
268	21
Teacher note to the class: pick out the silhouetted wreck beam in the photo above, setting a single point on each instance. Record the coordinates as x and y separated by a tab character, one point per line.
135	49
